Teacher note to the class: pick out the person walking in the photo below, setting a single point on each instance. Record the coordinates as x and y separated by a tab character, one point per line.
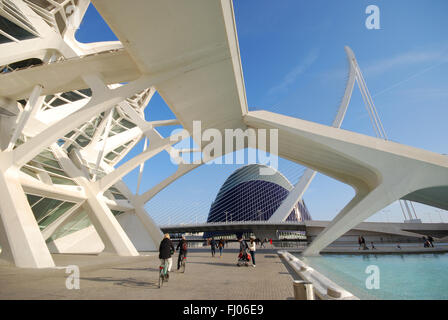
252	249
242	256
166	250
431	240
182	247
220	247
213	246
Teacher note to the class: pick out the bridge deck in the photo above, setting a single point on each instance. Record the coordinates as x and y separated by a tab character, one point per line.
112	277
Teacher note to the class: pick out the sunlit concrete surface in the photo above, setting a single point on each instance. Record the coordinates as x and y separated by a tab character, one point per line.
112	277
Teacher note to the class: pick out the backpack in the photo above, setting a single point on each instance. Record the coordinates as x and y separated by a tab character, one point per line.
184	246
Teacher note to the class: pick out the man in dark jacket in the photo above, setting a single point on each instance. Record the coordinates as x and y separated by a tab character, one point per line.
182	247
213	246
166	249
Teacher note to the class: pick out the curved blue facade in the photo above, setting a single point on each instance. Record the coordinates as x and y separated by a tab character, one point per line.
248	196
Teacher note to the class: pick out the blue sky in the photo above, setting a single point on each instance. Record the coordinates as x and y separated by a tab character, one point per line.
294	63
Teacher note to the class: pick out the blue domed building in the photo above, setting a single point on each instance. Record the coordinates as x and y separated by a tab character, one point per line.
247	195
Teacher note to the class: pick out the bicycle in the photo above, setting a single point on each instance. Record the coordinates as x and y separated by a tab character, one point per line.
163	273
183	263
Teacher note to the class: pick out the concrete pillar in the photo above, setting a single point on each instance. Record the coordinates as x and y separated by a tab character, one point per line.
22	242
303	290
149	225
111	233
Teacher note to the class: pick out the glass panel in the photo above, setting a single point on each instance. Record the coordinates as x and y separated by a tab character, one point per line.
44	160
119	149
119	196
110	156
80	222
29	172
118	129
72	96
87	92
4	39
127	124
14	30
60	180
55	215
82	141
57	102
89	130
53	170
116	213
32	199
44	207
48	154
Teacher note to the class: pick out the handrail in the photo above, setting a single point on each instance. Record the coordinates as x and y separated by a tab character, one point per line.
323	287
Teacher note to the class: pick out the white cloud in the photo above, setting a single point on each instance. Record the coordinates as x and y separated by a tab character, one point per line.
291	76
404	59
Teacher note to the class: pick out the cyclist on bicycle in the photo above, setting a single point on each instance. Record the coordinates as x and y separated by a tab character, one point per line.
166	249
182	247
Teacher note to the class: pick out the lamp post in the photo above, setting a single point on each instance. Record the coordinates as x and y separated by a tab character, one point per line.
259	214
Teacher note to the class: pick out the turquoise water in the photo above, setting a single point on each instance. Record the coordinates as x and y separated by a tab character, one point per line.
405	276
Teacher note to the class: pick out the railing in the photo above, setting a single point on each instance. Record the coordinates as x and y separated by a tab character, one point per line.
323	287
230	223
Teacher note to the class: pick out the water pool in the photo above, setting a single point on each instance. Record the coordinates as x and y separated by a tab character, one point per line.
401	276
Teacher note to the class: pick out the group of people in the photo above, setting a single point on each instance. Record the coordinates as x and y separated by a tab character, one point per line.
213	245
428	242
363	245
245	247
166	250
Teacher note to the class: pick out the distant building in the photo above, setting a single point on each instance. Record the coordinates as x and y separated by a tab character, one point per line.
248	196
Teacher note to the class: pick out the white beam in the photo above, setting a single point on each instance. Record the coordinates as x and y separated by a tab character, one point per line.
107	226
111	178
33	103
381	172
22	240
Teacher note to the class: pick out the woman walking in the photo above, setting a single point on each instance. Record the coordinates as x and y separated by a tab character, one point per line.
252	248
220	247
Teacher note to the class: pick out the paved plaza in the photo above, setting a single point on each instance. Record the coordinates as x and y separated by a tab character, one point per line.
113	277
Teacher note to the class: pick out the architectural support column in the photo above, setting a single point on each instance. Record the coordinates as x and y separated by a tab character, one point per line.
380	171
34	102
22	242
110	231
294	196
149	224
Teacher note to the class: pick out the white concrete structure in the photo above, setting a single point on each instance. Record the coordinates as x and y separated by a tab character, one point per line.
69	112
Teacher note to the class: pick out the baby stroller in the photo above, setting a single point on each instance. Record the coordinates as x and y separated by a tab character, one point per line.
243	259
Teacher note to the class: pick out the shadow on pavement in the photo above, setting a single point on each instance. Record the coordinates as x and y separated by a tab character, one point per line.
216	264
126	282
135	269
